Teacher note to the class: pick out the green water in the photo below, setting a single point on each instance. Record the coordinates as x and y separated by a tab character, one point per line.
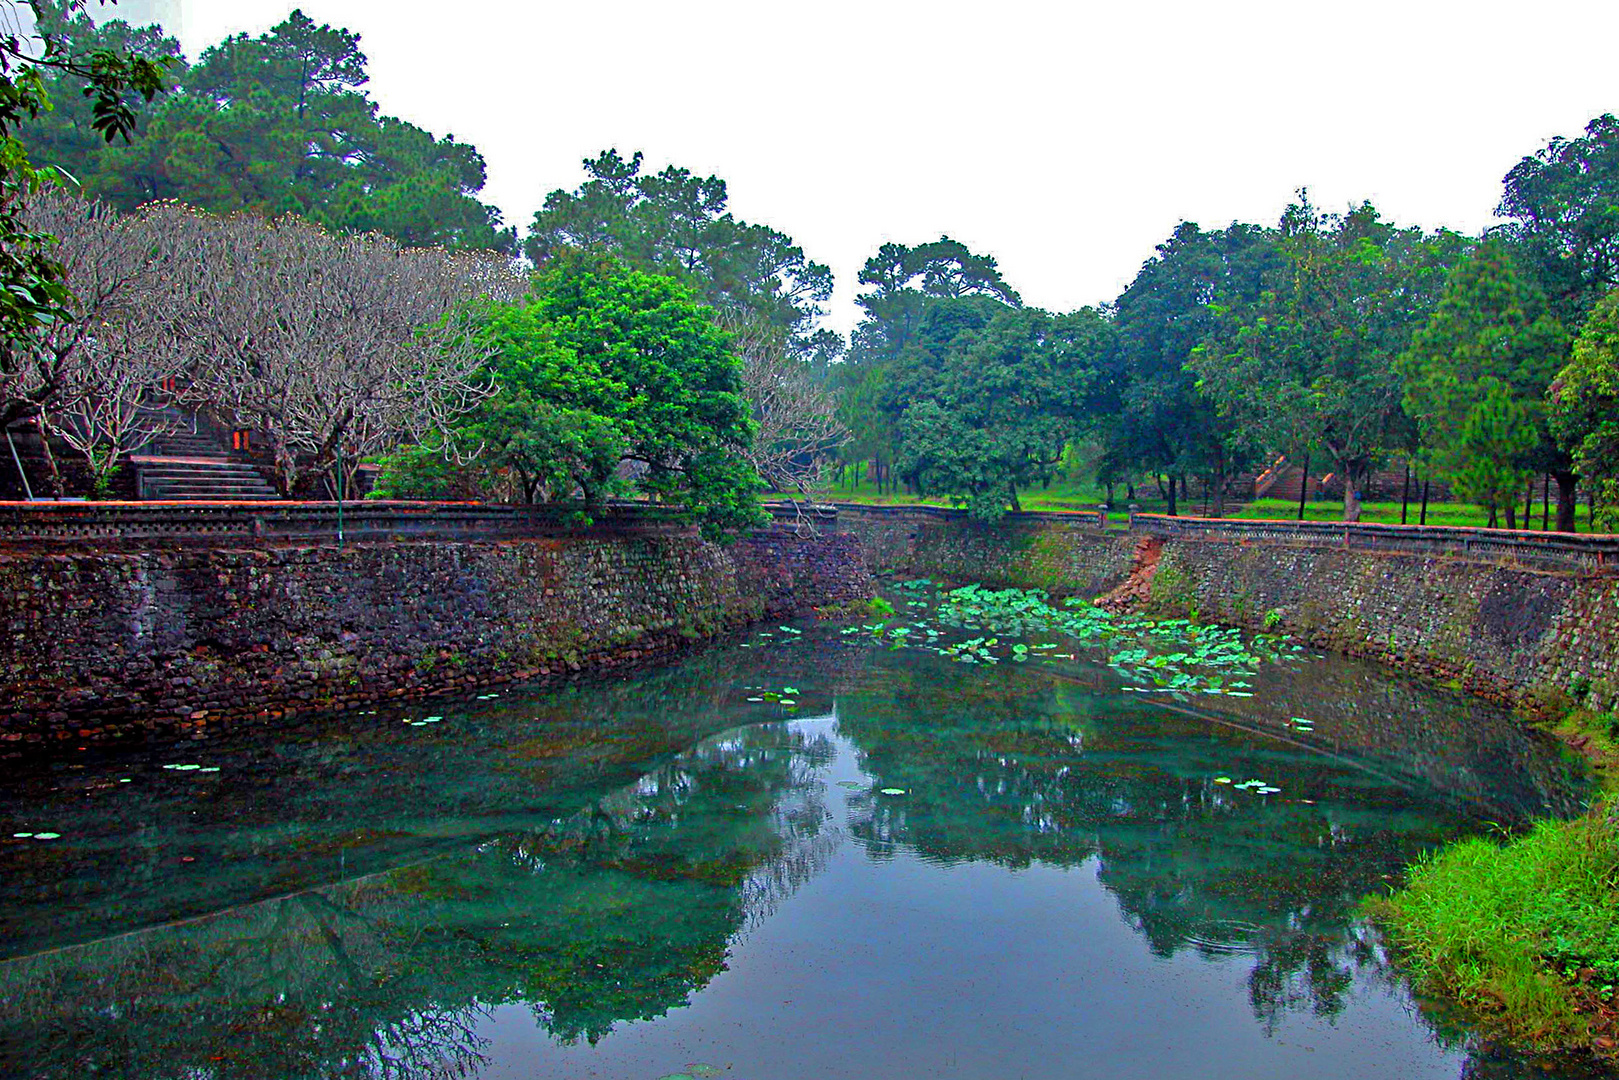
658	876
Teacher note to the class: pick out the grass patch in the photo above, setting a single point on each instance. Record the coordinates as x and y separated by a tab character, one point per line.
1383	513
1524	933
1079	495
1596	736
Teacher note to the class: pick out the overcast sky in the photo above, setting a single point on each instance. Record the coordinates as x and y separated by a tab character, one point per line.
1064	139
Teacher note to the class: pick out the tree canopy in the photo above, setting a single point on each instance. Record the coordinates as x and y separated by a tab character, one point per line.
1585	406
613	380
1311	363
677	223
275	124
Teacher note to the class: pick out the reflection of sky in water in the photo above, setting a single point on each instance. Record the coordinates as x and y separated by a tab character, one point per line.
619	881
912	966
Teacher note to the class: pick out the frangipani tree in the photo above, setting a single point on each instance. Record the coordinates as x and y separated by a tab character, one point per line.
333	345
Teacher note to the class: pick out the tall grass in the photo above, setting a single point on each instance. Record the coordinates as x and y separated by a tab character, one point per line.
1518	931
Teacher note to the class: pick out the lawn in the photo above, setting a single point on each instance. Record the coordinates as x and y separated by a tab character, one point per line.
1078	495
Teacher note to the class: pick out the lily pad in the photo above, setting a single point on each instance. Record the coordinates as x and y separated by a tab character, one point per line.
893	791
1222	779
21	835
704	1072
47	836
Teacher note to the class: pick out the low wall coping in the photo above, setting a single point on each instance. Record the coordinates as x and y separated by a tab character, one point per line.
143	523
1585	551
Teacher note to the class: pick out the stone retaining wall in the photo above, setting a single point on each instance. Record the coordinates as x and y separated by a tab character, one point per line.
1520	632
112	644
1511	633
1065	554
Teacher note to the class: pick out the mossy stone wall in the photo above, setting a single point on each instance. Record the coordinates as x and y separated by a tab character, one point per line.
106	644
1065	554
1521	636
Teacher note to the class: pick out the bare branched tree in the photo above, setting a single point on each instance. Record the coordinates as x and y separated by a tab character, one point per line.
334	346
797	417
94	380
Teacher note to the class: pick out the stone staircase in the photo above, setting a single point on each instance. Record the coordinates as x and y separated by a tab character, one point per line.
192	465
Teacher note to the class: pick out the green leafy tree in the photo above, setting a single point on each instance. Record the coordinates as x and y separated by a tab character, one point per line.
1562	207
109	82
899	284
677	224
605	371
988	398
1150	414
1493	326
1584	401
280	123
1496	432
1312	362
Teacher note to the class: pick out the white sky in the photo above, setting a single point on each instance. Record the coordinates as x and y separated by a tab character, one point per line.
1064	139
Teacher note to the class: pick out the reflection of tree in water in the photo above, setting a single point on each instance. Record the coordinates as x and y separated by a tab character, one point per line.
1057	775
616	913
331	798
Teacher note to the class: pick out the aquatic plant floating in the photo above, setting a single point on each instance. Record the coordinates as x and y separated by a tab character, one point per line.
893	791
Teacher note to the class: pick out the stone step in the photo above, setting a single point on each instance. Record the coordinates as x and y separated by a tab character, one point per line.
213	496
223	469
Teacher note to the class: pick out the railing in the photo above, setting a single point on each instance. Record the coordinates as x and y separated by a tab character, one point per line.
1538	548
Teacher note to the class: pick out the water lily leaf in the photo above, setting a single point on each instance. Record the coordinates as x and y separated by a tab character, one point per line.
704	1072
47	836
893	791
1222	779
788	701
21	835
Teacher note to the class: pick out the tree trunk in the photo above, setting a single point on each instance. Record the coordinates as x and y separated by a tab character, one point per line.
1566	483
1304	484
55	474
1545	502
1490	524
1512	514
1405	492
1218	483
1528	502
1351	492
1172	510
1423	520
1017	507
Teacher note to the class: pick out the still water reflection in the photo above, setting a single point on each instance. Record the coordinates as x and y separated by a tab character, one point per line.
919	869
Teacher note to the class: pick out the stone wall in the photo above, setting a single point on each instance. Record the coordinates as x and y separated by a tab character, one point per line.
105	644
1511	633
1519	633
1065	554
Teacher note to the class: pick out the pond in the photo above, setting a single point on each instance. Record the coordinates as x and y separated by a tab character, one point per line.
814	851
